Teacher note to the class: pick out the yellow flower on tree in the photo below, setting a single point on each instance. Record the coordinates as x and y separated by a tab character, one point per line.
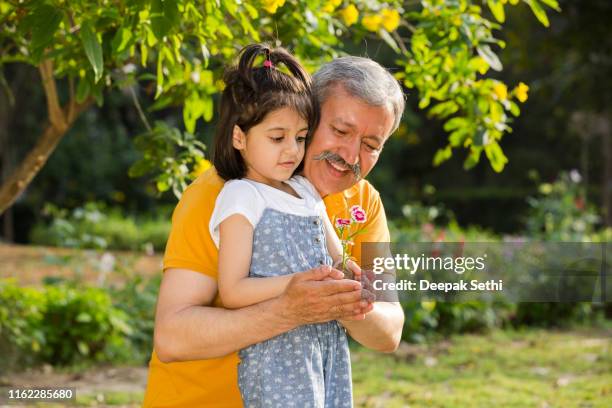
372	22
349	15
200	167
272	5
331	5
501	90
521	91
390	19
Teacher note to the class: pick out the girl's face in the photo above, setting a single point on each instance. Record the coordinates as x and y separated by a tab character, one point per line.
274	148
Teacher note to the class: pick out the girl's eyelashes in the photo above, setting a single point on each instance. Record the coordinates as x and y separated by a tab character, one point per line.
277	139
300	139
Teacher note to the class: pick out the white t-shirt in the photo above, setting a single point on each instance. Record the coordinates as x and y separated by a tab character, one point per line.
250	198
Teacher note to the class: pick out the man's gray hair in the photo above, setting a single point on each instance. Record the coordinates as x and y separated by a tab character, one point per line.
362	78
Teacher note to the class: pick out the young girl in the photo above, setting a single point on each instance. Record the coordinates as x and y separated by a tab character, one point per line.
268	224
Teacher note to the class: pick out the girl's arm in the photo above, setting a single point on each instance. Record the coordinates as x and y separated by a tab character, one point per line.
235	249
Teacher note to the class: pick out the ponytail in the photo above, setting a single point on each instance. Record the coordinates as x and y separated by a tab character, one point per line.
254	88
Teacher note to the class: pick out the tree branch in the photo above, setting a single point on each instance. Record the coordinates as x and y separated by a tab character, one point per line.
141	113
60	120
56	116
400	42
71	102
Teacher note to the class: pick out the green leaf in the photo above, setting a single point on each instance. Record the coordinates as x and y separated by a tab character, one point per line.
455	123
140	168
164	16
160	73
442	155
553	4
473	158
83	348
539	12
251	10
514	108
121	40
389	40
93	49
424	102
481	137
208	108
457	137
83	90
144	53
162	184
444	109
192	110
490	57
496	156
497	8
44	22
83	317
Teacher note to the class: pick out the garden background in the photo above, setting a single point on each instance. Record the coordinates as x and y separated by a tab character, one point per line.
106	109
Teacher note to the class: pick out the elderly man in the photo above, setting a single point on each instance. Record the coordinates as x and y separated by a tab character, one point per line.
194	362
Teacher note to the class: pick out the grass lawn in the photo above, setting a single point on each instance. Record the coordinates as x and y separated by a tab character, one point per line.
534	368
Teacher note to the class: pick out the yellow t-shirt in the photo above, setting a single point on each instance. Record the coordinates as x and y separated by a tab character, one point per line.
214	382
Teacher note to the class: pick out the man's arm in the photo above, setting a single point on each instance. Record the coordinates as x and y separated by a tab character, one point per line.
381	330
188	327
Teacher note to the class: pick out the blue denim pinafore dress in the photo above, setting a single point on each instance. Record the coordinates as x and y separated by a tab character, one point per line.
309	366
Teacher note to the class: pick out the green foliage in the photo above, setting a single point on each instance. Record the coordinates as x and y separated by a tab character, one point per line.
21	318
448	53
561	213
434	223
172	152
546	314
71	229
181	47
95	227
427	318
82	324
558	214
60	324
137	299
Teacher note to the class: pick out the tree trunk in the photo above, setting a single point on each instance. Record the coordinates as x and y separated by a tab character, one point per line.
7	104
60	120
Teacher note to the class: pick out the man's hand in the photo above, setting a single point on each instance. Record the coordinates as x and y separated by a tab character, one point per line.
366	277
321	295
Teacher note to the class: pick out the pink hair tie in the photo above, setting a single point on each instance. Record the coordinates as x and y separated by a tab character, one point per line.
268	64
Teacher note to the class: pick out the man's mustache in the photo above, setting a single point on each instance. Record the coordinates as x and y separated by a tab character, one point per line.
335	158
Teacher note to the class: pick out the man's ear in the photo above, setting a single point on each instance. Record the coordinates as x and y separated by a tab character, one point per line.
238	138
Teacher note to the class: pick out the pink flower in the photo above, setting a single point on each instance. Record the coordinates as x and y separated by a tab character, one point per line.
358	214
342	222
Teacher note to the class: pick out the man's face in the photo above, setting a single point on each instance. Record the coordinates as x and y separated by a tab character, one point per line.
349	137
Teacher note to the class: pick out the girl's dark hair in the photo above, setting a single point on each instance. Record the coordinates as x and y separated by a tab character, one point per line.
251	92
